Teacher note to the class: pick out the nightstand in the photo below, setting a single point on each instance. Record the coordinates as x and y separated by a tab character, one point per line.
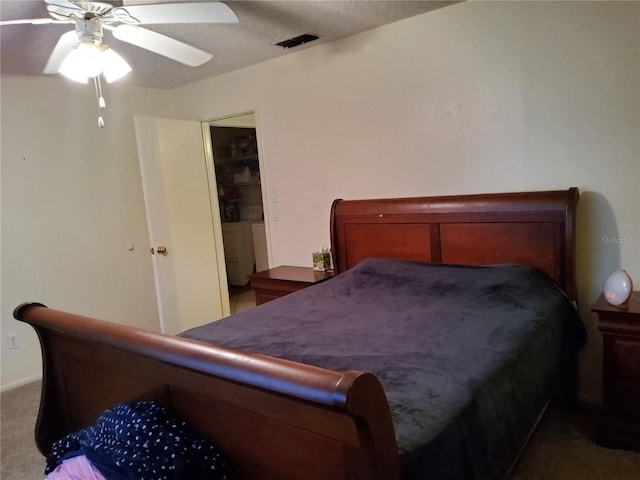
277	282
619	422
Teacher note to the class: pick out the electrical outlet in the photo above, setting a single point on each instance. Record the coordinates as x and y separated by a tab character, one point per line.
12	340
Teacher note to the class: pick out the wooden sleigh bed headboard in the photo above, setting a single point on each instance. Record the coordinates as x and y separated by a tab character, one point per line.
274	418
531	228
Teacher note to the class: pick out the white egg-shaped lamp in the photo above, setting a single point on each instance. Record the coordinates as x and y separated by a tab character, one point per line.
617	287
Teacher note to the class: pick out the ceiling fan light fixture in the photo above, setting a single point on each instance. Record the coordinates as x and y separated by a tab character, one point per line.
82	62
114	67
88	60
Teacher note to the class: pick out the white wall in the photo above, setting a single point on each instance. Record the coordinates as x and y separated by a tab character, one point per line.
72	206
476	97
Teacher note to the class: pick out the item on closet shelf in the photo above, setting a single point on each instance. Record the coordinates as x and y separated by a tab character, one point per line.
322	259
250	212
243	177
227	193
231	211
617	287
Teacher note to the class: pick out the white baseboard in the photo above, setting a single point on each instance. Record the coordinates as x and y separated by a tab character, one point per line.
21	382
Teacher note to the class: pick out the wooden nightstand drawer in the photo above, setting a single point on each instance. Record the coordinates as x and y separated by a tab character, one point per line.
277	282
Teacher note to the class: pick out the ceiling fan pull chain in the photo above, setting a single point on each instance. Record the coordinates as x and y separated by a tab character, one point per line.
100	98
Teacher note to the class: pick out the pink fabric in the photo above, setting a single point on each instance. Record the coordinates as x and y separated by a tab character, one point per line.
76	468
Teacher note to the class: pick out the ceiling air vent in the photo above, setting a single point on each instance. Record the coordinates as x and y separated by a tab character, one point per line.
299	40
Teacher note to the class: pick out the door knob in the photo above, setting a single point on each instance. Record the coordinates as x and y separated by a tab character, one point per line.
160	249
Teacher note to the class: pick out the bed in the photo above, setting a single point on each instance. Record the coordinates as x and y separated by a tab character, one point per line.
329	410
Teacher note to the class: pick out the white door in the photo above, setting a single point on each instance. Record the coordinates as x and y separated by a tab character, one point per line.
175	182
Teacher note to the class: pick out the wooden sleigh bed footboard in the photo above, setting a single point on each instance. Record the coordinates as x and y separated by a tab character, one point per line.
271	418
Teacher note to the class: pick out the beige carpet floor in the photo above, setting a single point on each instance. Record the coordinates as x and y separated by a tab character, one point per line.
562	448
19	457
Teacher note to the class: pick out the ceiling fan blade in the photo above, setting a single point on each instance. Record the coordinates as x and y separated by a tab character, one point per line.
63	9
33	21
161	44
63	3
65	44
188	12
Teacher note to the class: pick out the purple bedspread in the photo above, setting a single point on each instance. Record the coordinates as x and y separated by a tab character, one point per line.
468	356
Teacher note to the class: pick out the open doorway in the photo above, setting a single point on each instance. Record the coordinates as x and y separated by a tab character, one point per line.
239	193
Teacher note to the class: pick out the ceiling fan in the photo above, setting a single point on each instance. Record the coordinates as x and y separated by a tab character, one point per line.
81	54
91	18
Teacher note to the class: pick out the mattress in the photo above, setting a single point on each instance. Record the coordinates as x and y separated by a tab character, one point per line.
468	356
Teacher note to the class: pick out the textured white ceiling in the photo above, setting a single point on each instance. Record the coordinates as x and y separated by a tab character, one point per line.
26	48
